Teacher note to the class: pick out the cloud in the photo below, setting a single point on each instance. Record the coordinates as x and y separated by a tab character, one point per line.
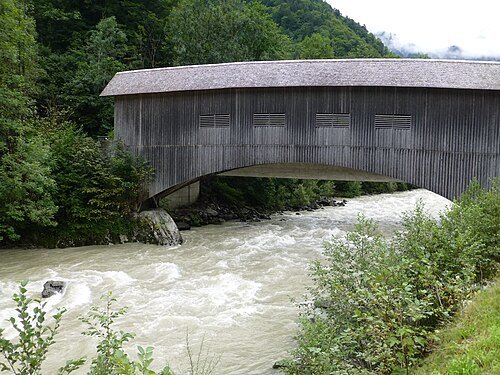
430	26
481	49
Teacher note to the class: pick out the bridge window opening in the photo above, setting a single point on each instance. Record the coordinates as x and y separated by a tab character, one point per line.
268	119
215	121
333	120
399	122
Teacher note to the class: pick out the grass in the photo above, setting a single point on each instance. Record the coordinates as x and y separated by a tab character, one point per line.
471	344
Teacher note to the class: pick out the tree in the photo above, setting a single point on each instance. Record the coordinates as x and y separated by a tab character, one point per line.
204	32
17	69
303	18
316	46
100	59
26	186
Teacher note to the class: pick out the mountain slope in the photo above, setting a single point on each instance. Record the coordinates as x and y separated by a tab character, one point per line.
302	18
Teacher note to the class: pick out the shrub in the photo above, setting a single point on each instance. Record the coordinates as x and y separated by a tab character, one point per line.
25	355
111	358
378	302
348	189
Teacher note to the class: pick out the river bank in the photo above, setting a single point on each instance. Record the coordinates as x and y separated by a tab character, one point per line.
207	212
470	344
254	199
153	226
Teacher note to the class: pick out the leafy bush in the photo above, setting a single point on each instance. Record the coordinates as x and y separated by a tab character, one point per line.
377	302
63	189
348	189
471	344
25	355
379	187
111	358
267	193
282	193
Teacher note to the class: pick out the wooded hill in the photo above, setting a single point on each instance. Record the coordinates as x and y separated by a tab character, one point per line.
83	43
56	56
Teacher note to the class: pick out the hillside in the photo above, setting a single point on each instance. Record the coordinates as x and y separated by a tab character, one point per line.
82	44
300	19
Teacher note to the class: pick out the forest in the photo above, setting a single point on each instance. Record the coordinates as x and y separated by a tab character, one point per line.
58	185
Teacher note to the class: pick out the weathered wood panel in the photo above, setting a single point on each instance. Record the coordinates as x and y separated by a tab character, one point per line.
454	134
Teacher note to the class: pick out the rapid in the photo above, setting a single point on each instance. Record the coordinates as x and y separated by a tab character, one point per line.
228	291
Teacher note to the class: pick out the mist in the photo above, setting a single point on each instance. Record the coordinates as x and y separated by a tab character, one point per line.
459	29
468	50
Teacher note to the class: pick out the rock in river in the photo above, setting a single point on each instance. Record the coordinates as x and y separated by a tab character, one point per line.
52	287
158	228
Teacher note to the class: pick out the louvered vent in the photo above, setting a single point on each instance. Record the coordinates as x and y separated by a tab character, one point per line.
215	121
334	120
269	119
402	122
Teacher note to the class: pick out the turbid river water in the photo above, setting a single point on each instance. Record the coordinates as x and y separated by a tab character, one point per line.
230	286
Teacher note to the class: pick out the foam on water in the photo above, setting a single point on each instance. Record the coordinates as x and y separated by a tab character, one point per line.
118	278
77	294
169	270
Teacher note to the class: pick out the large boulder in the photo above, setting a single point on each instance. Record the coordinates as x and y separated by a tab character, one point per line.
52	287
158	227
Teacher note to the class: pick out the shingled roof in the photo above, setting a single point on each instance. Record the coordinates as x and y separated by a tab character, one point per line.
340	73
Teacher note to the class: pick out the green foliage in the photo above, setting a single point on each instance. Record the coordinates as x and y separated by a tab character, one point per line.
316	46
379	187
278	194
302	19
61	188
134	172
98	193
471	345
25	355
348	189
99	60
268	193
224	191
17	68
26	188
474	221
111	357
199	33
377	303
86	190
62	24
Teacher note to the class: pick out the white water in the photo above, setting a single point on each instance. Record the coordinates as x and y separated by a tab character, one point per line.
229	285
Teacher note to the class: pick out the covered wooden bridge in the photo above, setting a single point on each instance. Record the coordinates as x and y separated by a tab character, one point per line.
432	123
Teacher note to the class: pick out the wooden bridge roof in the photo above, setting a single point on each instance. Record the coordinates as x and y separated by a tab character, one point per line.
450	74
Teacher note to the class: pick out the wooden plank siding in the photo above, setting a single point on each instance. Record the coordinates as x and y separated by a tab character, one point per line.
453	137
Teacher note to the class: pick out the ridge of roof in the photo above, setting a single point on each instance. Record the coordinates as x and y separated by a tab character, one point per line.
424	73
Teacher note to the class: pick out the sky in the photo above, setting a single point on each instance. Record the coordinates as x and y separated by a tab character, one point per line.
432	25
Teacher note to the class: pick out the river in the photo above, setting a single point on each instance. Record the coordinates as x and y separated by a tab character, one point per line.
229	286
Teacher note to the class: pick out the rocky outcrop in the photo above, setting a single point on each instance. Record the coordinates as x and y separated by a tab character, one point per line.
157	227
52	287
204	213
